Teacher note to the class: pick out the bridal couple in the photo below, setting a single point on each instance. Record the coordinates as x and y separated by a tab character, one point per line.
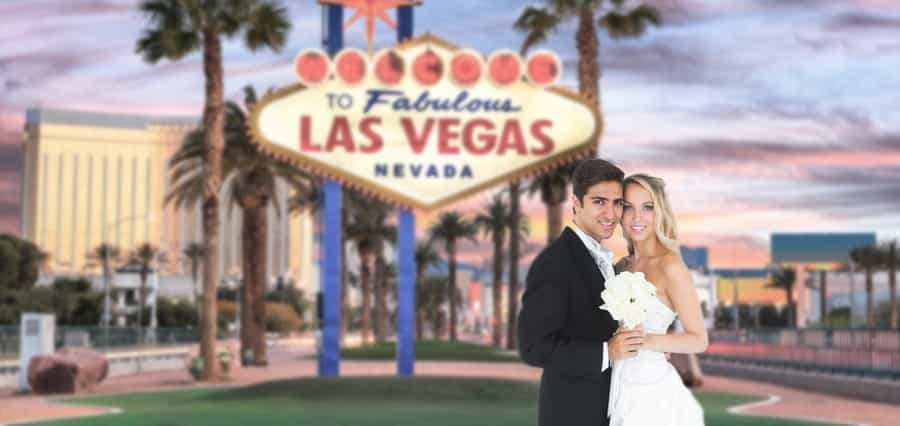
595	371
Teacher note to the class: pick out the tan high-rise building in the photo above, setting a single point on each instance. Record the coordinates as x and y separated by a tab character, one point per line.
90	178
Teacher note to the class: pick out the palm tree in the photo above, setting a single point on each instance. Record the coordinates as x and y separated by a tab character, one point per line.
252	185
450	228
177	28
106	256
784	279
494	222
512	287
615	17
425	256
868	259
889	251
552	186
430	295
194	253
367	228
537	23
144	256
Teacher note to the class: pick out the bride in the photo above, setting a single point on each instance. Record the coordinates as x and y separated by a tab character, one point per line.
646	389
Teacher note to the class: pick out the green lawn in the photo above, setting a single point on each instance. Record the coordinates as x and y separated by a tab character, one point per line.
388	401
431	350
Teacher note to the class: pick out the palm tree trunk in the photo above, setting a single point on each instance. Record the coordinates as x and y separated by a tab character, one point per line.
214	124
587	44
823	298
870	318
451	289
498	288
513	284
254	304
554	221
380	308
420	310
365	278
345	307
245	309
892	282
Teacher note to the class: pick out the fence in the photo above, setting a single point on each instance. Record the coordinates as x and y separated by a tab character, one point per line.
866	352
103	339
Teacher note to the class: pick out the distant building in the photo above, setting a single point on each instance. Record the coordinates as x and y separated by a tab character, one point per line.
814	256
90	178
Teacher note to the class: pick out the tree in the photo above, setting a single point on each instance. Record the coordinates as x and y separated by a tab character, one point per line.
145	256
194	254
615	17
430	295
784	279
450	228
494	222
105	256
537	24
425	256
891	257
20	262
252	178
368	229
177	28
552	187
868	259
512	286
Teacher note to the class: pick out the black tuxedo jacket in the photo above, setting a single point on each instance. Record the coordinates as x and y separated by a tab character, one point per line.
562	330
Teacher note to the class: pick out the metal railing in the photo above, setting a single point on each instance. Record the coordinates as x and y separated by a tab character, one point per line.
864	352
99	338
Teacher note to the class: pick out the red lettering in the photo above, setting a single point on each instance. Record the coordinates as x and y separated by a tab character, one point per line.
340	135
446	134
511	137
416	142
487	139
306	144
365	126
537	130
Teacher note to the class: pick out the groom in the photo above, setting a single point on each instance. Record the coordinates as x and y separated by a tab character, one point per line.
561	328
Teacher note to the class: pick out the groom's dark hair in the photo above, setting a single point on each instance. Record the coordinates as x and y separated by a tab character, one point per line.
591	172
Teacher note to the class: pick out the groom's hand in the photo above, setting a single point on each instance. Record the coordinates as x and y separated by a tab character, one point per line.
625	343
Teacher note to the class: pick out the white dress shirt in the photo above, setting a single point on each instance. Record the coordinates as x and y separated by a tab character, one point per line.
604	259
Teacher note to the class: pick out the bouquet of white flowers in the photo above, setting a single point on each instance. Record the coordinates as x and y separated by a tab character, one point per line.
627	297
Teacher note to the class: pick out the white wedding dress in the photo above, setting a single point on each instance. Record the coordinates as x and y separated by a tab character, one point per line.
646	390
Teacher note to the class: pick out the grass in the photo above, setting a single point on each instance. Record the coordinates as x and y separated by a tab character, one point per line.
394	401
431	350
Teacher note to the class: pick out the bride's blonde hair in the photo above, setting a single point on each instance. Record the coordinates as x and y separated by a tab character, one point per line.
666	229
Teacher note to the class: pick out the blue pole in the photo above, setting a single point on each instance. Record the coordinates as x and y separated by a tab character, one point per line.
406	292
406	249
404	23
330	353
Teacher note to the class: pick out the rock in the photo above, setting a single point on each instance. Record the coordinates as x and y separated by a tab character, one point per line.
69	370
688	368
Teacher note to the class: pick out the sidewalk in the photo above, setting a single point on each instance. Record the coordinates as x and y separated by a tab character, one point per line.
292	361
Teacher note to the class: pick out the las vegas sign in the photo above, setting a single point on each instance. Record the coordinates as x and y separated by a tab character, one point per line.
425	123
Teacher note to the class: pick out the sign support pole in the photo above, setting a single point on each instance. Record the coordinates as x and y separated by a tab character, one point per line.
330	351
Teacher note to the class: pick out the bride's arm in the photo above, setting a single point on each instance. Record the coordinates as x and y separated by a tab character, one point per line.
683	295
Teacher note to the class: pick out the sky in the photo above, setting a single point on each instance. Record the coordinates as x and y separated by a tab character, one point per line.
762	116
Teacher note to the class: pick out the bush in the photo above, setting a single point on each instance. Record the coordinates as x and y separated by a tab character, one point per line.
72	284
282	318
175	312
291	296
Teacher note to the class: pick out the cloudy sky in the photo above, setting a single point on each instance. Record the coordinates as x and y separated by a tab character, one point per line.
763	116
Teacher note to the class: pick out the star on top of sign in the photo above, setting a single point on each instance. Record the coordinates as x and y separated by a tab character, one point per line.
370	10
